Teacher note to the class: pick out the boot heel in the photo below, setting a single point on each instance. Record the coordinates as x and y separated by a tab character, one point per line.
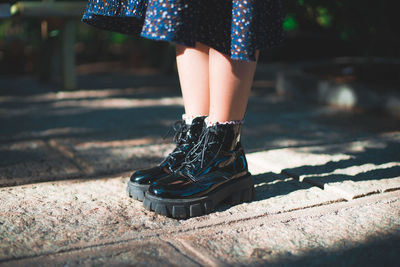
248	194
236	198
245	195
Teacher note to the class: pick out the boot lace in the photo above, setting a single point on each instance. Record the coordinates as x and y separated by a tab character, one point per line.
180	127
206	143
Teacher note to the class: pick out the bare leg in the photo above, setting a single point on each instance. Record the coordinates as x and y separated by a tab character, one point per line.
194	78
230	83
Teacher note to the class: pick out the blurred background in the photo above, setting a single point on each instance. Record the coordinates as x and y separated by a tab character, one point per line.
31	40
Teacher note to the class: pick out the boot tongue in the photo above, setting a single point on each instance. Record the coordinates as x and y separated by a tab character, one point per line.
195	128
199	120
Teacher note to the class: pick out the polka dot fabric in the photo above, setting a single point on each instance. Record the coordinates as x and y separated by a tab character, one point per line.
234	27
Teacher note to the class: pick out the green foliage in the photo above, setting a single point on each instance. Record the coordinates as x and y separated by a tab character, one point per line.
300	2
3	28
348	19
118	38
54	33
290	22
324	18
369	25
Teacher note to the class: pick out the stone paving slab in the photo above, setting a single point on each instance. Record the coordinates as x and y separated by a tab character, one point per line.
53	216
56	159
120	156
92	132
349	234
80	213
350	169
24	161
154	252
358	181
363	232
57	216
277	160
275	193
351	190
372	166
274	122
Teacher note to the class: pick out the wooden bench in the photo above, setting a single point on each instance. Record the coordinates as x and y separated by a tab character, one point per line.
69	11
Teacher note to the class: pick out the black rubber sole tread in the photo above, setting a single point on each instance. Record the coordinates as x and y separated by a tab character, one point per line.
238	191
136	191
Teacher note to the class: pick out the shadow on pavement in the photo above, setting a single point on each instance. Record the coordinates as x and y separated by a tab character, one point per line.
114	124
378	251
369	161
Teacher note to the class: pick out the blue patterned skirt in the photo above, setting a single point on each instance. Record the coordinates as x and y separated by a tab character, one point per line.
234	27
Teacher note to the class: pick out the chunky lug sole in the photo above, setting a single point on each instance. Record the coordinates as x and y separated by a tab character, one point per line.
136	191
235	192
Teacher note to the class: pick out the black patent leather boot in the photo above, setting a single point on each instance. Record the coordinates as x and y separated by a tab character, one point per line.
213	171
186	136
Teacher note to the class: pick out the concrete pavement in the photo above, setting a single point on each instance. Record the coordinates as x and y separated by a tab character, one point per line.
327	180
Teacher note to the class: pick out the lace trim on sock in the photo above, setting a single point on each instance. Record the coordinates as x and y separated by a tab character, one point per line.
209	123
